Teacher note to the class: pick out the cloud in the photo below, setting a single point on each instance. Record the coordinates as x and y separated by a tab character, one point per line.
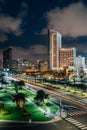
33	53
9	24
3	37
38	49
71	21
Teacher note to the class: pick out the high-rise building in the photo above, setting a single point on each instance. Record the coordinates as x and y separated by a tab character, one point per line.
7	58
67	58
54	43
80	63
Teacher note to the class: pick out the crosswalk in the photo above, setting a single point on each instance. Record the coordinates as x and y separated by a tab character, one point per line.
76	123
76	113
71	118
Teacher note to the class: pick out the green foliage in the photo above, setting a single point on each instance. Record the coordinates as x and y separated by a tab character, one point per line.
26	112
18	85
19	98
3	109
40	96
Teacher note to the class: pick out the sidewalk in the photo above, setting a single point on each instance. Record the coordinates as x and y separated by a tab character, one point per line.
75	96
80	98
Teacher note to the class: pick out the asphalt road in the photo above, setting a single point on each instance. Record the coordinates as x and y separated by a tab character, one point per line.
61	125
75	117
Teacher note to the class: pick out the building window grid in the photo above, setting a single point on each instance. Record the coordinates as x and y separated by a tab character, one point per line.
54	49
67	57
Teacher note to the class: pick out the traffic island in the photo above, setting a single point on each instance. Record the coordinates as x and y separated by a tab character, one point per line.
31	113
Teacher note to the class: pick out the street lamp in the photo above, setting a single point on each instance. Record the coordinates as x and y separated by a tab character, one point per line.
63	114
60	106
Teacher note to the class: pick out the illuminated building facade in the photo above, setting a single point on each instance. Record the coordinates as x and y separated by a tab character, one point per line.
80	63
43	66
67	58
54	43
7	58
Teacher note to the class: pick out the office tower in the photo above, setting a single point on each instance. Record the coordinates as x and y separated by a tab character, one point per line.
54	43
67	58
80	63
7	59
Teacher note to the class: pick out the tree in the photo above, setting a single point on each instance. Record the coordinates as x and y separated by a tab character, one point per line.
40	97
3	81
74	80
81	74
16	87
19	98
3	109
2	76
18	84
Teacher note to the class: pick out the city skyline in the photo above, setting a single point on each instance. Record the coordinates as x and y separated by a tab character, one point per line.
24	25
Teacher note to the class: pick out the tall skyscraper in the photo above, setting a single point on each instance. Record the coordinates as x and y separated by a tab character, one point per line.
54	43
7	58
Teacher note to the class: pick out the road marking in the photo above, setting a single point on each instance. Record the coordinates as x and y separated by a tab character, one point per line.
85	128
81	126
73	122
76	113
77	123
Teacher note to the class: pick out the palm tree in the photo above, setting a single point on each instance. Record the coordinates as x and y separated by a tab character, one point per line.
21	83
40	96
81	74
19	98
20	101
18	85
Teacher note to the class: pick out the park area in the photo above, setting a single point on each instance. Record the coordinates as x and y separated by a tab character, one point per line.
9	110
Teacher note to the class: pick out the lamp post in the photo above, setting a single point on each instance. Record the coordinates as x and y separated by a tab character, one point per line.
60	106
63	114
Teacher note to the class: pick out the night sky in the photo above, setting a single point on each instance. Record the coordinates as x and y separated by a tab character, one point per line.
24	25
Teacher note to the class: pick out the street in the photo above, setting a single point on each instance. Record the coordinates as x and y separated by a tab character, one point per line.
61	125
76	115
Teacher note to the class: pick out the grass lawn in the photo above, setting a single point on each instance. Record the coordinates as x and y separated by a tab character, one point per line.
14	113
53	108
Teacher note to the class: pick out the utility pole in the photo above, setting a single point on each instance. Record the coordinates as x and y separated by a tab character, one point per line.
60	106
